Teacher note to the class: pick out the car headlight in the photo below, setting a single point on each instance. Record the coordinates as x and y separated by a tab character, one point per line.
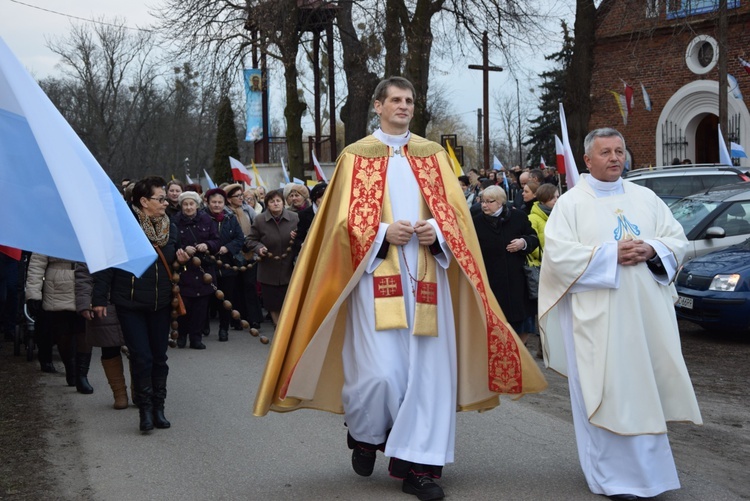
725	283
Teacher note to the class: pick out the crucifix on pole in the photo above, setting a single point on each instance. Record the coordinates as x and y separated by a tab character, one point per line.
486	68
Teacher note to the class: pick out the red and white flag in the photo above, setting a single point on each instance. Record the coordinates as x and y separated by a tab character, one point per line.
628	97
240	172
744	64
571	179
318	169
560	156
542	164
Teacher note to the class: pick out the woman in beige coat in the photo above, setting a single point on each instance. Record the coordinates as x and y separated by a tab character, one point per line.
50	296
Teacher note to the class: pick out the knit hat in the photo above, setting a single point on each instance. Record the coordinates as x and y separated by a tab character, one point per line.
189	195
299	188
216	191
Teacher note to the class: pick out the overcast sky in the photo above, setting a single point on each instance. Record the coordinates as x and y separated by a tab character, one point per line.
25	25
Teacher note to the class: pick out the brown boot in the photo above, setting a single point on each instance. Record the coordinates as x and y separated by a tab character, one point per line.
116	377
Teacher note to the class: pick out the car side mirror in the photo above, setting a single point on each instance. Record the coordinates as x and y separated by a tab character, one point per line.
715	232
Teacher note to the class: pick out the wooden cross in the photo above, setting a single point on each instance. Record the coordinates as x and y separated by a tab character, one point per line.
486	68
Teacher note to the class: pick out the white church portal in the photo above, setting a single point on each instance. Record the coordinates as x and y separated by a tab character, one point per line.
687	126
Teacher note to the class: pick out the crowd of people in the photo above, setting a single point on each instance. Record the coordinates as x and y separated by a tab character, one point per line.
233	248
424	299
509	210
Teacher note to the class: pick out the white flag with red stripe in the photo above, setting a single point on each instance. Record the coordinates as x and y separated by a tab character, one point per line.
560	156
318	169
240	172
542	163
571	178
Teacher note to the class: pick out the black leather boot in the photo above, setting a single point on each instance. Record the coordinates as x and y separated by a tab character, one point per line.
160	395
70	370
144	396
83	360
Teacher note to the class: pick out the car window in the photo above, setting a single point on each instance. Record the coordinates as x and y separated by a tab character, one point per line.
689	212
713	180
735	219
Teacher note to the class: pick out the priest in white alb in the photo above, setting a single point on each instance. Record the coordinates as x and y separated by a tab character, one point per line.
606	305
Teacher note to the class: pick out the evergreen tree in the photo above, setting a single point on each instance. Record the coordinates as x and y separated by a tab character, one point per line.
226	141
545	126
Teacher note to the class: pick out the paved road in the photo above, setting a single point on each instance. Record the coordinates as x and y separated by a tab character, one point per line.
216	449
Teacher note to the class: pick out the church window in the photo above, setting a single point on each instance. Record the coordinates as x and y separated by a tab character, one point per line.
702	54
685	8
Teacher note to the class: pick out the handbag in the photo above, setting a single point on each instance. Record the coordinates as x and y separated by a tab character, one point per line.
532	278
178	304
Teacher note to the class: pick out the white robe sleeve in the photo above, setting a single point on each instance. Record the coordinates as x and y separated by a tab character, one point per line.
602	272
444	259
375	261
667	260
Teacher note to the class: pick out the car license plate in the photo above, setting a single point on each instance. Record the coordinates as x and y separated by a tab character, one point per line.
685	302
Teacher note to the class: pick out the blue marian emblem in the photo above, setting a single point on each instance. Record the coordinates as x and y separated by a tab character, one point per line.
625	229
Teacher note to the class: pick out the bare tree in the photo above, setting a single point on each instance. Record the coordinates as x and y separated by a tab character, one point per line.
133	120
115	75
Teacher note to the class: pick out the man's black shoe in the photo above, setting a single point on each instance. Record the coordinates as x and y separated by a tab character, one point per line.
422	486
363	460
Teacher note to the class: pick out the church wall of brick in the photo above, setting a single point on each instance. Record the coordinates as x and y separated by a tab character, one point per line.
638	50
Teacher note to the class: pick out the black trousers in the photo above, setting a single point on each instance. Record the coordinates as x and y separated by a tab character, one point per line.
191	324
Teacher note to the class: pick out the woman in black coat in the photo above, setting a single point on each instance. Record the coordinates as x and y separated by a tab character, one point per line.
506	237
144	303
197	235
231	239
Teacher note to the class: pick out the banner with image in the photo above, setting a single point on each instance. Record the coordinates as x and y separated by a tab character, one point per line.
254	105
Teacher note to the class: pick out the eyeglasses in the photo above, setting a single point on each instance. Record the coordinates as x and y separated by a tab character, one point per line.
488	201
236	196
161	200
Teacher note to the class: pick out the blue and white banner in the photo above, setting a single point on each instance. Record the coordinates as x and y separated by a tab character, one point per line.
54	197
254	104
737	150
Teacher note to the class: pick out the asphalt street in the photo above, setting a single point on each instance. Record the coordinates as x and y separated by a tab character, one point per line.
217	450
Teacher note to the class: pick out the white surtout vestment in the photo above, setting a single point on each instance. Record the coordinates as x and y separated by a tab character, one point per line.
613	331
393	379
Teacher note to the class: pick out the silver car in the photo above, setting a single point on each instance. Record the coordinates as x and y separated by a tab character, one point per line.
715	219
673	182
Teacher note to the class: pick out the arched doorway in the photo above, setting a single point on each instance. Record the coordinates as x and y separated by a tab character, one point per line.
707	140
696	105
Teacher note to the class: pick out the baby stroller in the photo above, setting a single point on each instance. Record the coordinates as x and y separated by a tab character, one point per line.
24	332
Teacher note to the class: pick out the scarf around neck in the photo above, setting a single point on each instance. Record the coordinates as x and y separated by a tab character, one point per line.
156	228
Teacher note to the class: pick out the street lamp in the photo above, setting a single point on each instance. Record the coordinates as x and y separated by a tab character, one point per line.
186	165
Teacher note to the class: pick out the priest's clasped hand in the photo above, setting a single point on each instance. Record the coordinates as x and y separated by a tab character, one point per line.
400	232
632	252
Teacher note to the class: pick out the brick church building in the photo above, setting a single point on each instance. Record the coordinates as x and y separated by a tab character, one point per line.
671	47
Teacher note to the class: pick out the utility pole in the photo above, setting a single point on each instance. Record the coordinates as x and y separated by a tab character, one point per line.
486	68
723	47
479	133
518	102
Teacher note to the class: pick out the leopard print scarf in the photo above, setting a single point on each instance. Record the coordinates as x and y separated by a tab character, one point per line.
155	228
